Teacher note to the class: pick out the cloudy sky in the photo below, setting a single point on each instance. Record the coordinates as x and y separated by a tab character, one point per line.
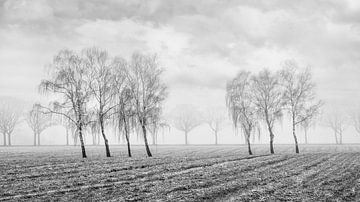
201	44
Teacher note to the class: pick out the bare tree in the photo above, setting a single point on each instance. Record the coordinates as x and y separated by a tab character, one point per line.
299	96
355	119
186	118
268	99
100	79
10	113
337	122
38	122
241	105
124	116
68	81
305	125
147	92
214	118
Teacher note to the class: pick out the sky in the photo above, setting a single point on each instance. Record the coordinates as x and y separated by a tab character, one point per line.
201	44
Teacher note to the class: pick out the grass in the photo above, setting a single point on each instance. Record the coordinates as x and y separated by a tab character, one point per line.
190	173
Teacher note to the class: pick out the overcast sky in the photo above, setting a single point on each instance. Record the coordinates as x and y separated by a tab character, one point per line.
201	44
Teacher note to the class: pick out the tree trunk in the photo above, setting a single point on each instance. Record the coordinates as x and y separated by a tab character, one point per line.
340	140
127	137
248	144
306	139
4	139
38	136
271	139
67	137
34	139
336	138
216	138
104	136
9	138
81	141
146	142
186	138
295	139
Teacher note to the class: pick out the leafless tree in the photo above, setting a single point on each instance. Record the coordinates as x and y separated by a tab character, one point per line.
337	122
100	79
241	105
299	96
10	113
268	99
305	126
68	82
214	118
124	117
38	122
147	92
186	118
355	119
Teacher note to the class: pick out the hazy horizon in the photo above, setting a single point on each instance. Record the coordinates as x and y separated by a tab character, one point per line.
201	45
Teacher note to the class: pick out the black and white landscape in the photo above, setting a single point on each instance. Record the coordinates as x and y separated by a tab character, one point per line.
162	100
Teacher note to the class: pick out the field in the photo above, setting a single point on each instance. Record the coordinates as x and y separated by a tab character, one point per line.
187	173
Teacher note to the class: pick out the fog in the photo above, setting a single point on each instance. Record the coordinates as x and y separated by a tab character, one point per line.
200	46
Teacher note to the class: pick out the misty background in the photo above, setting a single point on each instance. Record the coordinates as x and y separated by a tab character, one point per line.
201	46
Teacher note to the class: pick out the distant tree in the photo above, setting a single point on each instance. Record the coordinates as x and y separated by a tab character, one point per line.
68	82
147	92
355	119
100	79
241	105
10	113
214	118
337	122
299	96
38	122
268	100
186	118
305	126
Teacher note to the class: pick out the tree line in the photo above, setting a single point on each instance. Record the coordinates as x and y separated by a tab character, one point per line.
265	97
94	89
93	92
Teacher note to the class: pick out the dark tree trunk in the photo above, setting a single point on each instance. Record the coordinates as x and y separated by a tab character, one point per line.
271	139
216	138
295	139
186	138
104	136
248	144
34	139
4	139
81	141
146	142
127	137
9	138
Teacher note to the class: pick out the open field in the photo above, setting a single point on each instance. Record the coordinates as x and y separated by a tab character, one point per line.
190	173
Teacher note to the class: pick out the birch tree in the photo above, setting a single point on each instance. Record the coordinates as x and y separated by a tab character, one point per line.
268	99
10	114
299	96
67	81
214	118
337	122
124	117
185	118
38	122
147	92
100	79
241	105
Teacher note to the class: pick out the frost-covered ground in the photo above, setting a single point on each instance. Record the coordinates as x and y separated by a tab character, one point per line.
181	173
